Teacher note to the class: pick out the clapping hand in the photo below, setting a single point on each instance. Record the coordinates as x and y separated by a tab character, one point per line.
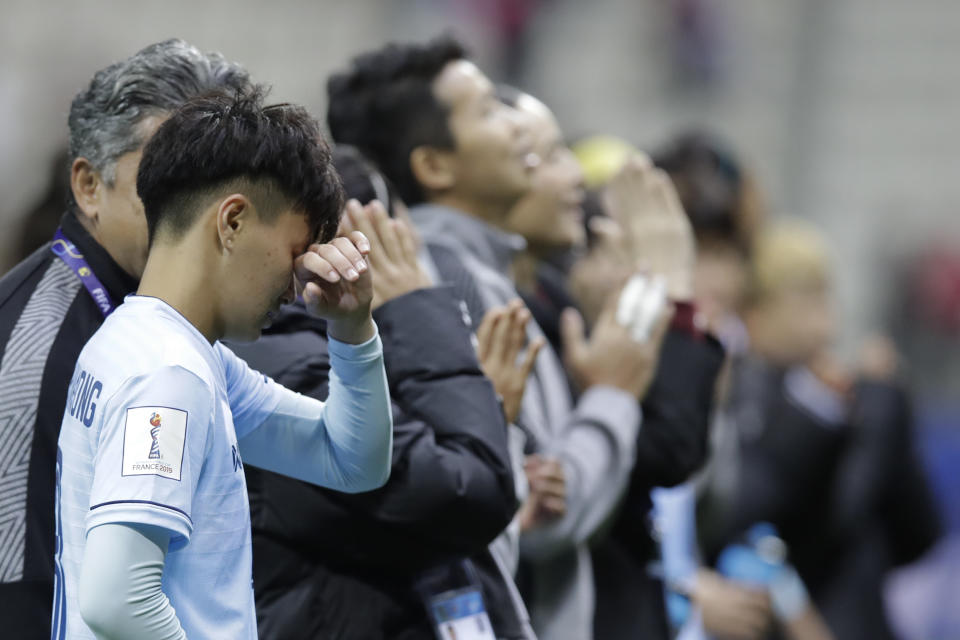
500	340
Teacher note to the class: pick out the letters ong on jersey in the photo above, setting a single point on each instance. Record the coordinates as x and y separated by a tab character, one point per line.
153	441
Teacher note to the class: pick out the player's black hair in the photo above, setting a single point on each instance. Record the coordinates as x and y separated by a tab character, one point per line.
275	152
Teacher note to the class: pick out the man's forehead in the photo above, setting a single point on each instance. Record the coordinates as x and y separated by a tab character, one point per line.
459	81
541	122
294	223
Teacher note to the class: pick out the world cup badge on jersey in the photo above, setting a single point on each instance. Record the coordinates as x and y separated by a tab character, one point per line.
155	422
153	442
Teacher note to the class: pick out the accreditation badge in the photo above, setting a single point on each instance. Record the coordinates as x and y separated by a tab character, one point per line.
460	615
455	604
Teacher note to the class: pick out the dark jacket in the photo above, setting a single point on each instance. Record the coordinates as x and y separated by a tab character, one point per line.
46	317
848	497
328	564
671	446
880	514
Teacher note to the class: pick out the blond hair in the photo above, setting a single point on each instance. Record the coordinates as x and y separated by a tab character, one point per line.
789	254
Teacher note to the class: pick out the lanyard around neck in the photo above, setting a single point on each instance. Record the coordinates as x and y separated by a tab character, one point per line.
67	251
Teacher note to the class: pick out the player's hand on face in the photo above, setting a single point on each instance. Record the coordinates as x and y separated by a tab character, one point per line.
393	251
335	282
500	340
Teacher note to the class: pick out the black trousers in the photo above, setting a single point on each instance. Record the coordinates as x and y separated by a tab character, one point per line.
630	602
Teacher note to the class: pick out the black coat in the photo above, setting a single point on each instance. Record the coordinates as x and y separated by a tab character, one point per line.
40	363
672	445
328	564
849	499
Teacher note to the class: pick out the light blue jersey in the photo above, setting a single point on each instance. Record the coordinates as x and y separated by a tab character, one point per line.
151	436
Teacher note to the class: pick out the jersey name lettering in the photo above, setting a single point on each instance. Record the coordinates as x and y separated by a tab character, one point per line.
86	390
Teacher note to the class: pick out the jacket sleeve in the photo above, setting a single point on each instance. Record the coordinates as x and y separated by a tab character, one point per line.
453	482
671	445
451	488
596	448
676	412
881	472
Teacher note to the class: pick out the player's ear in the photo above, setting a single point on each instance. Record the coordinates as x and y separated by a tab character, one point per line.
233	218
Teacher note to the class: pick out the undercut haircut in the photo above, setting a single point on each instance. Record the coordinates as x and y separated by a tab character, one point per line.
275	155
384	105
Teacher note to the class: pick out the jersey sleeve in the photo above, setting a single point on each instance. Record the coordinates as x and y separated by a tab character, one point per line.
253	396
150	450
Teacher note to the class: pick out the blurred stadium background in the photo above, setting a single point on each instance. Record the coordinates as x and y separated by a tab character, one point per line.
848	112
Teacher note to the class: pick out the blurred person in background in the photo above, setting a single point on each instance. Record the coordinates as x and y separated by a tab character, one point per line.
430	120
611	169
727	210
713	194
52	302
823	452
549	218
355	566
672	444
724	210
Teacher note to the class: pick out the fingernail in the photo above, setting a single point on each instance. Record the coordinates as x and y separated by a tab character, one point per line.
361	266
364	246
352	274
333	275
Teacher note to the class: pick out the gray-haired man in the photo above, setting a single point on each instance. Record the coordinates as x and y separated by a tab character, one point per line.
52	302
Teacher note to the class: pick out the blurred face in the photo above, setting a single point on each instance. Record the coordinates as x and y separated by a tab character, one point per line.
549	216
797	322
260	274
115	214
490	160
719	280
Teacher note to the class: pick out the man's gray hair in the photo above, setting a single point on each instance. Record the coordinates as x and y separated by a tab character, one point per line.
105	117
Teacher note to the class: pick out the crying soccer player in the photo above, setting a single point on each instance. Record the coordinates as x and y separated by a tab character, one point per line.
153	523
